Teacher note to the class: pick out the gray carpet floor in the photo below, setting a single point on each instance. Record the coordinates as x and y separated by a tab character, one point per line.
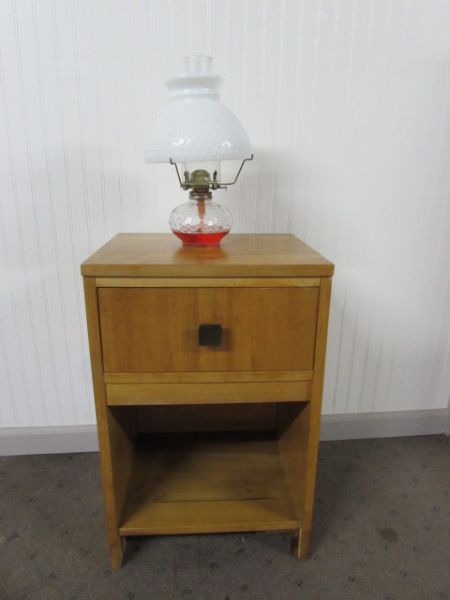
382	531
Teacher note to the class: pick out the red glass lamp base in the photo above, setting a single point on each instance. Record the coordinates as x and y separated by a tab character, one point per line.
200	221
200	238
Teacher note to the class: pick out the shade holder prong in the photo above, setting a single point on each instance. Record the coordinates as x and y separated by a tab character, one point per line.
211	184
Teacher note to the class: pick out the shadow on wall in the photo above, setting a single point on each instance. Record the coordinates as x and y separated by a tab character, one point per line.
109	193
82	193
262	201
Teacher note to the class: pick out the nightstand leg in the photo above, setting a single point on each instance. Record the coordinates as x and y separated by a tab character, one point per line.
302	546
116	550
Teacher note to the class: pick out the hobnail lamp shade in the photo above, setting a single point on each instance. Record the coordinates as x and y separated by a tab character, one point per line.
196	126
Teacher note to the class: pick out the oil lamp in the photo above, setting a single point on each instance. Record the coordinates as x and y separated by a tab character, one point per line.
196	133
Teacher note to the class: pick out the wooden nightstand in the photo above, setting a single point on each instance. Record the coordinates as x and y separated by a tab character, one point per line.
208	367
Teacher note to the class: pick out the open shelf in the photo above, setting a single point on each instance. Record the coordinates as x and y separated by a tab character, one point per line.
207	483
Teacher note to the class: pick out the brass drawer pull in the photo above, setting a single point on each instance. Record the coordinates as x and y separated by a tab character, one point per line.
209	335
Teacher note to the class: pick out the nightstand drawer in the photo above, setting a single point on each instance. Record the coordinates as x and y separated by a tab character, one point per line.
207	329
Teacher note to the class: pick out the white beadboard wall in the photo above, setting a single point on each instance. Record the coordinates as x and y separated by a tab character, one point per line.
347	104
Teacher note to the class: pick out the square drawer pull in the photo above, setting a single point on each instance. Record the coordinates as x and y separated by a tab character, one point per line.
210	335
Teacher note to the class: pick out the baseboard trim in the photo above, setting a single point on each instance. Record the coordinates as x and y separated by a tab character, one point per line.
17	441
383	424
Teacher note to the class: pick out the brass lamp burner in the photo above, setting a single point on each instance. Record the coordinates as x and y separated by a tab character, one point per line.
200	181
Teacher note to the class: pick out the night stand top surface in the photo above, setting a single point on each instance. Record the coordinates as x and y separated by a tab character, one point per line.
239	255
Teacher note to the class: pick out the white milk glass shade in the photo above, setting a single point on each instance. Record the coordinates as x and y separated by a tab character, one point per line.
196	126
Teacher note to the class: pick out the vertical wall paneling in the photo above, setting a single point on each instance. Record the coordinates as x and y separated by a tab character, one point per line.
348	107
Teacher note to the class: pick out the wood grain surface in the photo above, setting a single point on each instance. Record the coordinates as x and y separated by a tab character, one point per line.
239	255
156	330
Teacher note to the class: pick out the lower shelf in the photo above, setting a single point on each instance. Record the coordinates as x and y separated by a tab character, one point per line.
207	483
